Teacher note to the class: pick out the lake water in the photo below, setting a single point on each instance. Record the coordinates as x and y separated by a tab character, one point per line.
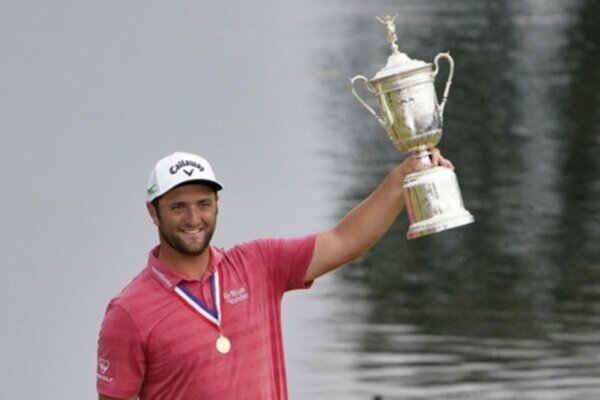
506	308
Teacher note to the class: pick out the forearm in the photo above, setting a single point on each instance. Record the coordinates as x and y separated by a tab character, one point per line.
366	223
361	228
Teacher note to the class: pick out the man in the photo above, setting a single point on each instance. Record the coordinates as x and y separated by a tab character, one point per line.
203	323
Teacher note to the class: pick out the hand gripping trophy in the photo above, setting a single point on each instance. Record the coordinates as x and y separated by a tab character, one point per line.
413	120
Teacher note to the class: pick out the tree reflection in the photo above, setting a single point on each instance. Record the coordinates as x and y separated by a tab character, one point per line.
512	121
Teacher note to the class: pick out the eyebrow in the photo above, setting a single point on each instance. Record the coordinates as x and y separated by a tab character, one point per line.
183	202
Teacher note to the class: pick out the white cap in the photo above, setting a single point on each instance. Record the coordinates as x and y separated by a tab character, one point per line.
178	168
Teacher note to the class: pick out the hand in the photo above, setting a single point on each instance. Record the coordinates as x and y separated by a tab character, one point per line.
438	160
414	164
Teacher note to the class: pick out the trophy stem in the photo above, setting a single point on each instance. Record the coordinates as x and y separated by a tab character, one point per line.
423	154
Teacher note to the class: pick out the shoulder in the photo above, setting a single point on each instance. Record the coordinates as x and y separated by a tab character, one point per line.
272	251
250	249
142	297
132	291
269	245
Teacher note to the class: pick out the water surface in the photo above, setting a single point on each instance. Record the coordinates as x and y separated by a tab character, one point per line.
506	308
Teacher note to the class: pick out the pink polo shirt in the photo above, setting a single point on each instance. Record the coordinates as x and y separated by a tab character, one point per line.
153	345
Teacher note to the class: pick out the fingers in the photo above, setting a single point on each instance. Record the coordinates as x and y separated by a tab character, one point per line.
415	164
438	160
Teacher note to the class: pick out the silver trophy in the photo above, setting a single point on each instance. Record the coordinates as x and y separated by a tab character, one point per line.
413	119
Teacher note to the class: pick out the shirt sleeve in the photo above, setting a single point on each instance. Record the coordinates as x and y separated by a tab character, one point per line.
121	361
288	260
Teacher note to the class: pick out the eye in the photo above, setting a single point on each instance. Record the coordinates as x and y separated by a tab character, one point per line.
176	207
205	204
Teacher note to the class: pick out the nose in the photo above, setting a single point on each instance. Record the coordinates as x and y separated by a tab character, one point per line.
193	216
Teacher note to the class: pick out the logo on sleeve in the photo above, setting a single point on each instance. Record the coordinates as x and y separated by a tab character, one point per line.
103	367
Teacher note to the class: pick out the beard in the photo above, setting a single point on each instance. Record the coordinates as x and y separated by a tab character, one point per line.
184	247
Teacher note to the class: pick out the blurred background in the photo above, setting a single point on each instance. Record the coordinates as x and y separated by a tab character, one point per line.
93	93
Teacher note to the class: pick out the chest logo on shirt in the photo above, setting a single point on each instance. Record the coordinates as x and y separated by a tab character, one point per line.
235	296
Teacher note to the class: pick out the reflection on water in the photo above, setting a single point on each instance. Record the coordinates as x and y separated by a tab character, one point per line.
509	307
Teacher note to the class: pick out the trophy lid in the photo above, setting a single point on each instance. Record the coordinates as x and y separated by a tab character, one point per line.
398	62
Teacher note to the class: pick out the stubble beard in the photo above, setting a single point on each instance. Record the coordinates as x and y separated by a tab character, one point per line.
179	245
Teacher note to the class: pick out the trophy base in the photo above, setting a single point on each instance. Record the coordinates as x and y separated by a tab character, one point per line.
436	224
434	202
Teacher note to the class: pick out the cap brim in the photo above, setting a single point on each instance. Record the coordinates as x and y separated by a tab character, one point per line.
212	184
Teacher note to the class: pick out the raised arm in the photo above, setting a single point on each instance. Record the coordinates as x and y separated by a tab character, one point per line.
366	223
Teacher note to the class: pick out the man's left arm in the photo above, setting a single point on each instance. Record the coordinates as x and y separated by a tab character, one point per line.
366	223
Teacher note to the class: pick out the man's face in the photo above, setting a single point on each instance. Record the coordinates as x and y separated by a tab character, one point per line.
186	218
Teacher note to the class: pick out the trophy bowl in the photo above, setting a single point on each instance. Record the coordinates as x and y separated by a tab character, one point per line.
413	120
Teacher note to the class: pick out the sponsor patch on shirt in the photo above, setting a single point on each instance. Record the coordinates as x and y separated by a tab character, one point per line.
235	296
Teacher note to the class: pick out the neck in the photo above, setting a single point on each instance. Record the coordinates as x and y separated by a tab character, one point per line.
191	266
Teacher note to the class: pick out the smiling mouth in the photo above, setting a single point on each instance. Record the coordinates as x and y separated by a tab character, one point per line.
192	232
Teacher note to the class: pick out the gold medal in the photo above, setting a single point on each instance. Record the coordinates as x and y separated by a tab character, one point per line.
223	345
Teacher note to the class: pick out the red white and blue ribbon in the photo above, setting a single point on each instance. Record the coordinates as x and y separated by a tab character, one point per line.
212	316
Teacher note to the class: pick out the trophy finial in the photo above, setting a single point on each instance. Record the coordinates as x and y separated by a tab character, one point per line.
389	21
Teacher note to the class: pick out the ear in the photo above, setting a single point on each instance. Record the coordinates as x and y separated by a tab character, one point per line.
152	212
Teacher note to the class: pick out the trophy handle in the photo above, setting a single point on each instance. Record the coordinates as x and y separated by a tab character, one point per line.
448	81
371	89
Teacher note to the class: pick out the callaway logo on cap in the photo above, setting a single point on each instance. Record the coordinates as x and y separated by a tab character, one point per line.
178	168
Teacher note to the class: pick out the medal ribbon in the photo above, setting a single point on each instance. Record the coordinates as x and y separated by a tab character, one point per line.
196	304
